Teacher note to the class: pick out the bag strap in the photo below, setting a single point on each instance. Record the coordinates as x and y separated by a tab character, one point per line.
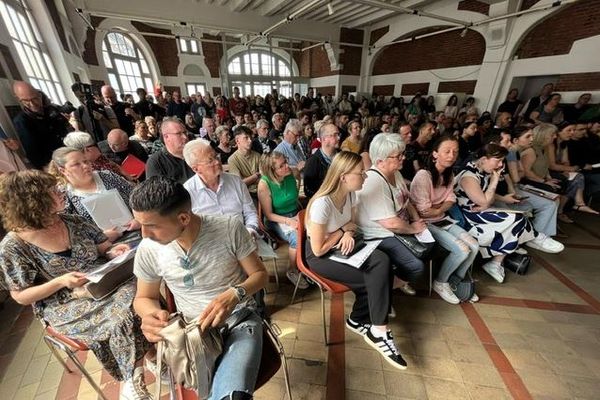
387	182
159	361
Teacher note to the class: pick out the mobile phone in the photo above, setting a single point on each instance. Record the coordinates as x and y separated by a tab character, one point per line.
521	197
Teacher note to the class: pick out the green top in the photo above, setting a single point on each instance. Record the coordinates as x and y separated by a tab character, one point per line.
284	196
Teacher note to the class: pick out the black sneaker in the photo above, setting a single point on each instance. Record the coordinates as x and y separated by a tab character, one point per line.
357	327
387	348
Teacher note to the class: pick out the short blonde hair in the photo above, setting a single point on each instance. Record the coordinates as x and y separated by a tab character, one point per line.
266	165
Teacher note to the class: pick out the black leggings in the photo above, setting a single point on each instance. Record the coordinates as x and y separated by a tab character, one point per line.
371	284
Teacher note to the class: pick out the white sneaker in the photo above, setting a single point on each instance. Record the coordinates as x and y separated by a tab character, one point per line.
495	270
521	250
135	388
546	244
295	276
443	289
474	298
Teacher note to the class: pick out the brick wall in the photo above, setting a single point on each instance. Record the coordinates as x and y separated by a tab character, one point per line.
555	35
440	51
171	89
578	82
303	60
527	4
325	90
348	89
164	49
57	23
351	56
475	6
378	34
213	52
457	87
410	89
319	63
89	47
386	90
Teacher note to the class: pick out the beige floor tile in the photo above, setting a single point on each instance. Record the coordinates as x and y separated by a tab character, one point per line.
356	395
307	371
9	386
308	351
576	333
359	358
445	390
18	366
524	314
400	384
546	385
437	367
568	366
554	347
432	348
26	392
583	388
312	333
422	331
480	375
35	370
526	360
512	341
312	317
485	392
51	378
50	395
459	334
502	325
366	380
286	314
272	390
584	349
470	353
490	310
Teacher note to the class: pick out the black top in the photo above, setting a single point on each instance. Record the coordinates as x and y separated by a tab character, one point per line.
125	122
133	148
177	110
584	151
163	163
263	146
509	106
314	173
275	133
414	151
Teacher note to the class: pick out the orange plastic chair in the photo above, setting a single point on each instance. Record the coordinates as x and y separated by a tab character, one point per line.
273	356
323	283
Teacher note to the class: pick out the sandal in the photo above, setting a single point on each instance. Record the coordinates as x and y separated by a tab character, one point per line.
562	217
585	208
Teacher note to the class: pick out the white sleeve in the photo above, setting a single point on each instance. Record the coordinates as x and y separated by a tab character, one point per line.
145	263
376	192
320	211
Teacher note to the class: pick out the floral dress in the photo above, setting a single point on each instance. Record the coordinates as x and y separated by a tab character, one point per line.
498	232
109	327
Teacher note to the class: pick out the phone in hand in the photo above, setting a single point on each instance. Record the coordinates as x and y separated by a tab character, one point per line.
518	197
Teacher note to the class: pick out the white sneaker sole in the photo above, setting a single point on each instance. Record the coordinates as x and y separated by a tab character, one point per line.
544	249
357	331
497	278
447	299
393	364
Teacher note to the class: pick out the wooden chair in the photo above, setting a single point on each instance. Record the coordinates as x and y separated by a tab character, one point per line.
323	283
273	356
57	341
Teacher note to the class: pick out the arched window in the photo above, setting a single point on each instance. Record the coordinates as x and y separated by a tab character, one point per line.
126	64
31	49
258	72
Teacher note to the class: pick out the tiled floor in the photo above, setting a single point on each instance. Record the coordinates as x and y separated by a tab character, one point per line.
533	337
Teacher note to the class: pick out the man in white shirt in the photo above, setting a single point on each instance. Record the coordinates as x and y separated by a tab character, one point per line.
215	192
210	265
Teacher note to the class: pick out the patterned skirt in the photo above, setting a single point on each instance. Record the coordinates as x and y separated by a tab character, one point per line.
109	327
499	232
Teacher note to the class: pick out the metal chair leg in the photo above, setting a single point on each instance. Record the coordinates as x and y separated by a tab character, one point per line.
273	331
50	342
295	289
276	272
323	315
430	276
54	342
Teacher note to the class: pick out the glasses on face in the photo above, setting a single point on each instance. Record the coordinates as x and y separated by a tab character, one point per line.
282	165
362	174
399	156
117	145
212	160
188	278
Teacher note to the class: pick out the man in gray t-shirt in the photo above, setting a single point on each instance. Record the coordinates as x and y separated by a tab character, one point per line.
210	265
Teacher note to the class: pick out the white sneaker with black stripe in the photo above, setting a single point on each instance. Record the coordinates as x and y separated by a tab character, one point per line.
387	348
357	327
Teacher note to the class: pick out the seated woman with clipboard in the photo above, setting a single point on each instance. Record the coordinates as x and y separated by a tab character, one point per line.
91	194
330	225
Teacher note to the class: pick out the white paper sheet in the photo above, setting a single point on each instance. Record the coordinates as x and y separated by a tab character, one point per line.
98	273
425	236
108	210
358	259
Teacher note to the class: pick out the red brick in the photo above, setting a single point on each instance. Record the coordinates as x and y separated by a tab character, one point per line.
475	6
325	90
386	90
457	87
409	89
89	47
377	34
578	82
164	48
348	89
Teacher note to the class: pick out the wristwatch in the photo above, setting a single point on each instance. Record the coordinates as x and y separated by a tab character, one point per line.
240	292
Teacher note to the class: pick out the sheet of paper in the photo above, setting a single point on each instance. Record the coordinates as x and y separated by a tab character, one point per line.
358	259
108	210
425	236
572	175
98	273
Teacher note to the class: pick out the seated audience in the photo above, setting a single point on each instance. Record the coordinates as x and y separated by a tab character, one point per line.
142	136
549	111
191	126
73	170
469	130
214	192
168	161
393	213
352	142
289	145
512	105
117	147
224	149
276	133
330	224
318	164
498	232
245	162
278	198
575	111
432	193
119	111
261	143
306	139
210	265
451	110
43	262
417	151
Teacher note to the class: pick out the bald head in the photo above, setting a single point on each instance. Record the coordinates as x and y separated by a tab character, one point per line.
28	96
117	140
109	95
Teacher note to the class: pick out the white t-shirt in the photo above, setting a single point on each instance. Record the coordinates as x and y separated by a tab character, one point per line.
324	212
375	203
213	263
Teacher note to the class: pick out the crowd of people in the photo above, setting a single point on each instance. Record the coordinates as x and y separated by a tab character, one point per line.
221	174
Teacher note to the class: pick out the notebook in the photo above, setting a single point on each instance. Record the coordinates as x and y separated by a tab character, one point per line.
133	166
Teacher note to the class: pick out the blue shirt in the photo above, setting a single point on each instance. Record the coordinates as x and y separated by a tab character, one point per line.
293	153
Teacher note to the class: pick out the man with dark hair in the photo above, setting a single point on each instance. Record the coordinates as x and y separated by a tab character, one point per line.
318	163
176	107
144	107
210	265
245	162
533	103
169	161
120	111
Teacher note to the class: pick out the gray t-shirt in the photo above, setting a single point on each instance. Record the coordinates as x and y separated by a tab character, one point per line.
212	263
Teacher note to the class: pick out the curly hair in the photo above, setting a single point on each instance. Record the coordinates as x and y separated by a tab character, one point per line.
26	200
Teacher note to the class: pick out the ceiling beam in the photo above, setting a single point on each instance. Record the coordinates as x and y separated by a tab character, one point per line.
347	12
398	8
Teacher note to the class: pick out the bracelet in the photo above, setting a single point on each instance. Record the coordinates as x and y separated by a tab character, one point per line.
342	229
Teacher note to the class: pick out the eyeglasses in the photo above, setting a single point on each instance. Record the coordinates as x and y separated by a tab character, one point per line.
188	279
283	164
213	160
398	156
361	173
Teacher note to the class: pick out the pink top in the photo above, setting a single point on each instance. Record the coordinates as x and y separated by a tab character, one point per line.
423	195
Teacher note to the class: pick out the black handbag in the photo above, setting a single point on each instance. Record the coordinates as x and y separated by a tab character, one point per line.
464	288
517	263
359	243
419	249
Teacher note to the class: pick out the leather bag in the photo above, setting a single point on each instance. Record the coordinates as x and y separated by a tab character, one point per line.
189	354
419	249
517	263
464	288
359	243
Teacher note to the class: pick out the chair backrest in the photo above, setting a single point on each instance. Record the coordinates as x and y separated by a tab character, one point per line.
303	266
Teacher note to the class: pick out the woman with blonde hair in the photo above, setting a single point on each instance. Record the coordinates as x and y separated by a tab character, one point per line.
278	199
352	142
330	225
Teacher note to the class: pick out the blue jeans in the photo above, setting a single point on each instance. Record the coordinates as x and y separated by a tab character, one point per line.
290	236
237	368
408	267
462	247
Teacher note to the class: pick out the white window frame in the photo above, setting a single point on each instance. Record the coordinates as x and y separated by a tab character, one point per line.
135	70
189	46
252	70
199	87
31	49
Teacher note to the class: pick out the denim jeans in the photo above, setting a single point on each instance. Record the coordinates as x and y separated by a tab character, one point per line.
290	236
237	368
407	266
544	211
461	246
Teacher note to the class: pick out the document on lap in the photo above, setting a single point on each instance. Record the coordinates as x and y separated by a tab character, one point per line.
358	259
107	209
99	272
425	236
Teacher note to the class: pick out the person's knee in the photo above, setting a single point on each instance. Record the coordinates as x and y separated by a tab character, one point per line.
238	395
292	240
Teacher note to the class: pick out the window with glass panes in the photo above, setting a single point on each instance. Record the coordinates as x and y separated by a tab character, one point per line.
189	46
126	65
31	49
258	72
193	88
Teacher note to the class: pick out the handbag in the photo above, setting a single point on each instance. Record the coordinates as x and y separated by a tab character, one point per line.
111	281
189	354
463	288
419	249
517	263
359	243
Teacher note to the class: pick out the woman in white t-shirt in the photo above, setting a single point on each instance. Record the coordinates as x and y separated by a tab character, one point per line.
330	226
